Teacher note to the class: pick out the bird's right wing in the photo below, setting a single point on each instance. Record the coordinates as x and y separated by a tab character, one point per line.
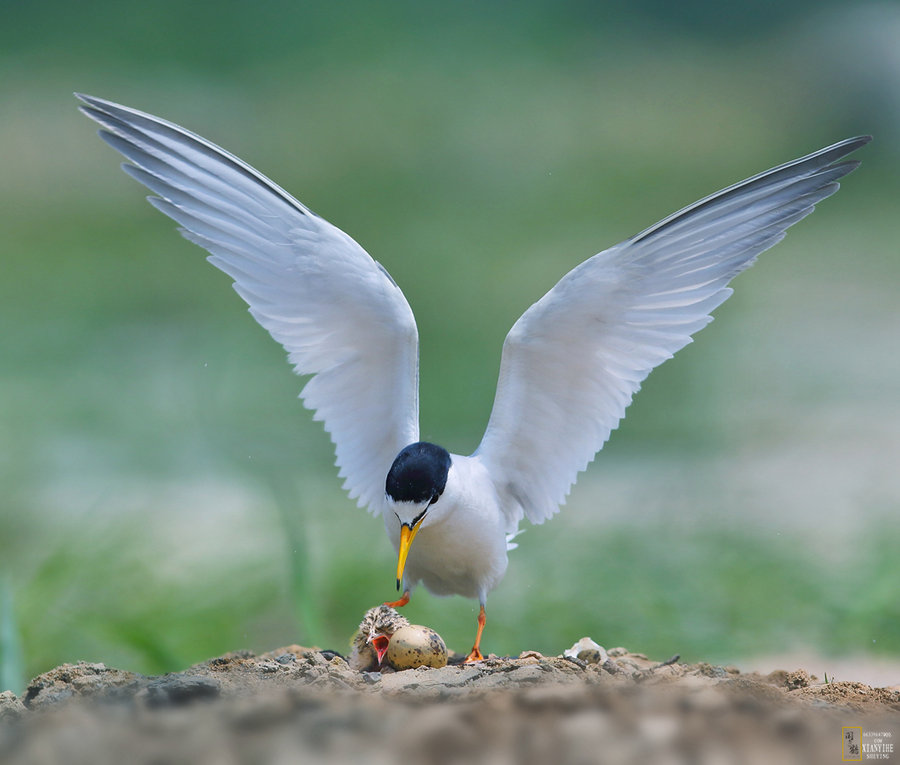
337	312
574	359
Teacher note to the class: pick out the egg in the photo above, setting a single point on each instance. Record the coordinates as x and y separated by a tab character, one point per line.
416	646
588	651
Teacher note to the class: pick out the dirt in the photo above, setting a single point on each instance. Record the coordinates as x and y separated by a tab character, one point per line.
299	704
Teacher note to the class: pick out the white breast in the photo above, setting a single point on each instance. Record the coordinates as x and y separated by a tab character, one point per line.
461	547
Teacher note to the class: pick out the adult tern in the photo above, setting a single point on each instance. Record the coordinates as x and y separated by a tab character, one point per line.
570	365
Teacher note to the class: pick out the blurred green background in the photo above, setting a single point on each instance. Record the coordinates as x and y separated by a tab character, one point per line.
166	498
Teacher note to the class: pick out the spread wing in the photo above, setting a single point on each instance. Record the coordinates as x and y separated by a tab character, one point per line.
574	359
337	312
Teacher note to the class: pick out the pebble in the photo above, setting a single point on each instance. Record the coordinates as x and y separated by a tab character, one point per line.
179	690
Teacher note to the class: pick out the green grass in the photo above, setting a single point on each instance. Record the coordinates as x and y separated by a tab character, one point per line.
12	663
708	594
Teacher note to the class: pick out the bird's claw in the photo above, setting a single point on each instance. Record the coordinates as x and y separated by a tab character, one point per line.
474	655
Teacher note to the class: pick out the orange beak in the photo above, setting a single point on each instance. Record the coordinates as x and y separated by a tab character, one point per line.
407	535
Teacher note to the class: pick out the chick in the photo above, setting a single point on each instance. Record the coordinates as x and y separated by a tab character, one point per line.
370	642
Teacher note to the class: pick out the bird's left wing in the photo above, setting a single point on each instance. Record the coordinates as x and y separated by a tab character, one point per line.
337	312
574	359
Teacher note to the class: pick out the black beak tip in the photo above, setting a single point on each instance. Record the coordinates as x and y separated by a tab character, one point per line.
398	585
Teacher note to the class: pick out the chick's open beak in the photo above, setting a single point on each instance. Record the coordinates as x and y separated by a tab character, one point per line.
407	534
379	641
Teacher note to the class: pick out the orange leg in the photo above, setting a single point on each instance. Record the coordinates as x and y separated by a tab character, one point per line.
475	653
398	603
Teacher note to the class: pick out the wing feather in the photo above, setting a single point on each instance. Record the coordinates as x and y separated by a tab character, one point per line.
573	361
337	312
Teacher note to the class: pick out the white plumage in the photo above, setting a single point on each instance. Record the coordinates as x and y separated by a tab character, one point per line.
570	366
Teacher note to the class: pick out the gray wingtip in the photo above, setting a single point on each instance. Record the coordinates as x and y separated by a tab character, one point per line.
91	107
852	144
85	99
849	144
88	99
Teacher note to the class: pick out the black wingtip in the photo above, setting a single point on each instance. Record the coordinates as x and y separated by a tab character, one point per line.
852	144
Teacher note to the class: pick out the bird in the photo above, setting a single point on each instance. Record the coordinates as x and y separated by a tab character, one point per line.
370	642
569	367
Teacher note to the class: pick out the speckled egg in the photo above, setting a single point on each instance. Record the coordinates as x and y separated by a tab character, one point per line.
416	646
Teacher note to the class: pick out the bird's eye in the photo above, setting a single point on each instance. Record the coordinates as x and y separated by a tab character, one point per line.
434	499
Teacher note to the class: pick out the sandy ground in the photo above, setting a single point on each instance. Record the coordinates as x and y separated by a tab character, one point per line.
872	670
299	704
